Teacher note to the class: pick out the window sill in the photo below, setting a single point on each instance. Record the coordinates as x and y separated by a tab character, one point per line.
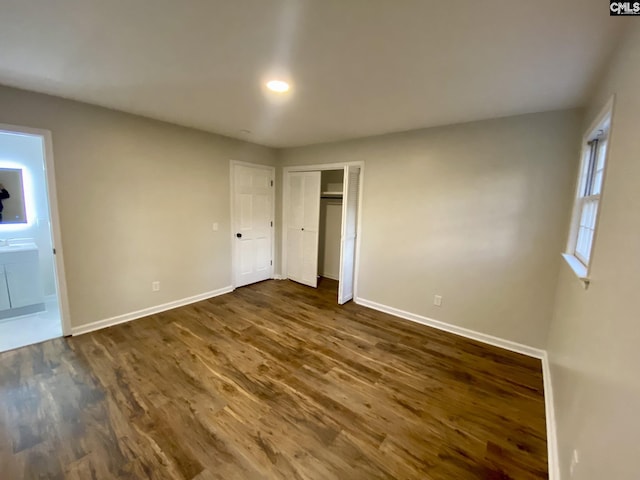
578	268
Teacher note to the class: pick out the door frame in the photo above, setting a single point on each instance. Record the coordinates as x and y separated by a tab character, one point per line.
285	197
54	217
232	169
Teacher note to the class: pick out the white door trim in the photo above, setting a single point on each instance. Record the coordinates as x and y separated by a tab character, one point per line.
61	281
285	196
232	165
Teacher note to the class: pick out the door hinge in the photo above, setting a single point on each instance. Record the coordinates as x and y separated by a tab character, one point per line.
271	223
272	183
54	251
271	262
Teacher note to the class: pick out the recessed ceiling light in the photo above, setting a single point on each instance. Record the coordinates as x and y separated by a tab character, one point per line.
279	86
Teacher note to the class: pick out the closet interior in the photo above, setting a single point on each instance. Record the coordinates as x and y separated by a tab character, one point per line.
331	186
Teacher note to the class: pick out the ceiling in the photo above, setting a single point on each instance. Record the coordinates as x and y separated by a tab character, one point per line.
358	67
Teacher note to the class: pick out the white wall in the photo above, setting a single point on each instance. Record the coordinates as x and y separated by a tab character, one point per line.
594	340
27	151
137	200
475	212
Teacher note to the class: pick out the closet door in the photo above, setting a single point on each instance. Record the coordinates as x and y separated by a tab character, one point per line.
349	230
303	219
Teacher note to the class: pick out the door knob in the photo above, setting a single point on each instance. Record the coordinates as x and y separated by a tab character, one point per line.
239	235
303	229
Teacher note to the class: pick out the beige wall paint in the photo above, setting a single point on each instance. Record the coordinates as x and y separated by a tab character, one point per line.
594	339
137	200
475	212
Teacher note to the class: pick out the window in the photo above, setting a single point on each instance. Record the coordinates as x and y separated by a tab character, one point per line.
587	202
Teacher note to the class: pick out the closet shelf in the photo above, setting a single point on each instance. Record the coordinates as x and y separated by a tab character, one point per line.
331	194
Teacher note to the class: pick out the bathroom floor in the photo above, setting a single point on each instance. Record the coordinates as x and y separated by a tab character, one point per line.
29	329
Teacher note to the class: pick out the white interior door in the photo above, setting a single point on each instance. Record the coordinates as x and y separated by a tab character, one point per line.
252	223
349	231
303	221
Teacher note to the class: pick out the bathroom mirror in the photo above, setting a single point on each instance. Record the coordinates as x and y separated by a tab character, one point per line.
12	208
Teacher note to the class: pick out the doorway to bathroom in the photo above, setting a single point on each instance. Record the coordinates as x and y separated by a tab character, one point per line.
33	306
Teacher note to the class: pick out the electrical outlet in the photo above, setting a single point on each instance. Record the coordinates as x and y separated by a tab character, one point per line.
215	226
155	286
437	300
575	460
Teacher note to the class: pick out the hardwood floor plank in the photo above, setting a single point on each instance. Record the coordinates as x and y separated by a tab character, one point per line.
273	381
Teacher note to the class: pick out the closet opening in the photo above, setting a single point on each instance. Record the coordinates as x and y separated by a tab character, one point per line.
321	223
331	186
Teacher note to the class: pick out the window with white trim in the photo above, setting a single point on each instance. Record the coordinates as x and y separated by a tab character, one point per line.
587	202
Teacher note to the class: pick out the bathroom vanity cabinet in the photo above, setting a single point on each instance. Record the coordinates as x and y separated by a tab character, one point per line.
20	285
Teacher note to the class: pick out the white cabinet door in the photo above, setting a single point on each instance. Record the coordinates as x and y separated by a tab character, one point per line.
349	230
252	223
303	220
23	280
4	292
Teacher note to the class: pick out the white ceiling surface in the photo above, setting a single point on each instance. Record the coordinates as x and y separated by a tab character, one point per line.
358	67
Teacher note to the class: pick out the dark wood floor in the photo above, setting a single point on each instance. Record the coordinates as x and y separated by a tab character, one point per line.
272	381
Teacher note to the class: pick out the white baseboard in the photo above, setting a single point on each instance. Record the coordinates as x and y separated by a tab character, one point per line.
464	332
127	317
550	415
279	277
